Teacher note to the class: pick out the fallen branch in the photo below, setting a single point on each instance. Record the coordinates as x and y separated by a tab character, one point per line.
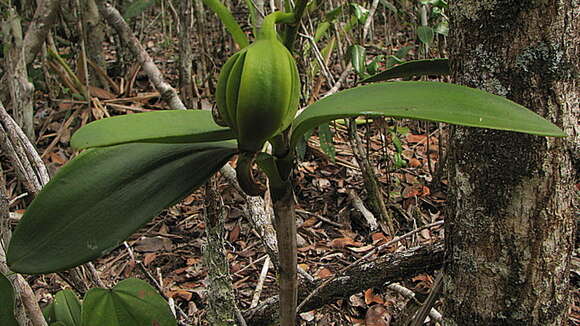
390	268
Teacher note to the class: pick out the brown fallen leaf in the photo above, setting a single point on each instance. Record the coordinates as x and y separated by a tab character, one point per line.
371	297
309	222
234	233
340	243
411	138
413	163
324	273
149	257
378	315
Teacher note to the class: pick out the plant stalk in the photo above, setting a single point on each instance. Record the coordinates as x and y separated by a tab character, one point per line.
285	221
292	29
283	196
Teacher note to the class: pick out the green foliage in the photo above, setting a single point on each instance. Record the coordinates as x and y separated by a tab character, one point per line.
436	67
398	160
104	195
66	309
325	135
302	145
360	12
229	22
357	56
132	302
176	126
425	34
136	8
431	101
7	302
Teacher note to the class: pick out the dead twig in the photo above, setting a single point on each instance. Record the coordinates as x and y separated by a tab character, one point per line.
168	93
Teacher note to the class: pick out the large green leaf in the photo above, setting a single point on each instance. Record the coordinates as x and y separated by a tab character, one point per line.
7	302
104	195
430	101
67	308
174	126
435	67
132	302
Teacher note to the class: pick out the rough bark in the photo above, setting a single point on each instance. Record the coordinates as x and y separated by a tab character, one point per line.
221	299
94	39
20	89
38	29
389	268
36	33
186	34
510	222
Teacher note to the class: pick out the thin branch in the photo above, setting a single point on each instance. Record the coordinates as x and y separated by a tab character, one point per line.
167	92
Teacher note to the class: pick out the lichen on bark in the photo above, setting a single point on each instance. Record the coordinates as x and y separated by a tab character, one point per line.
509	228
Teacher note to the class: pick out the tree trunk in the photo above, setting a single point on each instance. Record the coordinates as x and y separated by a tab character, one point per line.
20	89
95	38
510	225
186	33
221	300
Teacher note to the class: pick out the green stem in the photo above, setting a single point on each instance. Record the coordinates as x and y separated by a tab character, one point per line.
268	29
282	194
292	30
244	174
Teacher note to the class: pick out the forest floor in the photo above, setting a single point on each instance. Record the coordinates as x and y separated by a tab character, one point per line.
332	233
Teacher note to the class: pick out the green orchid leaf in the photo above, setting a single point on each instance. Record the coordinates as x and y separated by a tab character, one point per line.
229	22
435	67
325	135
104	195
48	313
431	101
7	302
67	308
173	126
357	56
132	302
425	34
